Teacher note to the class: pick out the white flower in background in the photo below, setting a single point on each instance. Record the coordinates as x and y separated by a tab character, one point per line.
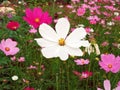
110	23
56	43
93	48
14	78
118	46
80	25
116	13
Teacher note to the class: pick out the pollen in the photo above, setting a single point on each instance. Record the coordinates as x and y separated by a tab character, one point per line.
7	49
109	65
61	41
37	20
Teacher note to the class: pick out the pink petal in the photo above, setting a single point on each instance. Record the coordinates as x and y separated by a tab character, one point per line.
107	85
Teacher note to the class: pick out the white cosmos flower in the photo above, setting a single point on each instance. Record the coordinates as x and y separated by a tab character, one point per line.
58	44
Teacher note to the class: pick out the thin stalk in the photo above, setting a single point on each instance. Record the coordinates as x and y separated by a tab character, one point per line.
68	76
57	82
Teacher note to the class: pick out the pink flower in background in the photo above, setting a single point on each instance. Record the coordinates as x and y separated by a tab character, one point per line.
81	61
86	74
117	18
112	8
21	59
88	30
110	63
13	25
107	86
32	67
81	11
70	6
36	17
8	46
83	75
33	30
13	58
105	43
77	73
118	83
28	88
93	19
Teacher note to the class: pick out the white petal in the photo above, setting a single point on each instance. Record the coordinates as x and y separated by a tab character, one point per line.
50	52
74	51
63	54
62	27
76	35
79	44
48	32
45	43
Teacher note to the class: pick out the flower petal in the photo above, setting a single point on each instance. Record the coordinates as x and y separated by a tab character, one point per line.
62	27
117	88
63	54
107	85
45	43
79	44
76	35
50	52
48	33
99	89
74	51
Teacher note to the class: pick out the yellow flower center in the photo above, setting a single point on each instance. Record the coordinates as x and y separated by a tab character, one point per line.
37	20
7	49
61	41
109	65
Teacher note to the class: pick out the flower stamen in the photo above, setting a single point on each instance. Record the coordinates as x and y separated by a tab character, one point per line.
7	49
37	20
109	65
61	41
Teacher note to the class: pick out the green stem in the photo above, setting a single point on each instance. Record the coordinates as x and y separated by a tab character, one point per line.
57	82
68	76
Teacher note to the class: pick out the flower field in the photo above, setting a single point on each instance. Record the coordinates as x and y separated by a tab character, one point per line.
60	45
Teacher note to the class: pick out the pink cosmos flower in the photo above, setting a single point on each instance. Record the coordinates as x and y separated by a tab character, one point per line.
28	88
32	67
81	61
107	86
36	17
83	75
13	58
93	19
88	30
21	59
105	43
8	46
32	30
117	18
118	83
110	63
81	11
13	25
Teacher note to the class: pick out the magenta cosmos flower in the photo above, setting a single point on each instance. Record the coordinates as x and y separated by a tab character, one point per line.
28	88
110	63
81	11
8	46
13	25
36	17
81	61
